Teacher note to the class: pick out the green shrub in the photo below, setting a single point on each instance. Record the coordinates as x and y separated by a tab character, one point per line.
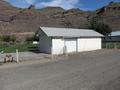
0	38
13	38
8	38
29	39
21	47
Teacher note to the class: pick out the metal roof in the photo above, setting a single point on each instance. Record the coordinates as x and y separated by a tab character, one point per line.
69	32
115	33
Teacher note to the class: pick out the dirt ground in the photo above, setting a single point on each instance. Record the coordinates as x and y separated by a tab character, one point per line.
96	70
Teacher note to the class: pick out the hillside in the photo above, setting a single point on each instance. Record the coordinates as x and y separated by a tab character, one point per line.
110	15
25	21
31	19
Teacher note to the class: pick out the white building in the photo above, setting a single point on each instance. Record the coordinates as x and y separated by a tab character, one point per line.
61	40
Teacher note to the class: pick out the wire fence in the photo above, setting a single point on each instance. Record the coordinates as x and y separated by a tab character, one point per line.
111	45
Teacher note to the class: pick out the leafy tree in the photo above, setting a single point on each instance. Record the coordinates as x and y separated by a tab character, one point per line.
103	28
100	27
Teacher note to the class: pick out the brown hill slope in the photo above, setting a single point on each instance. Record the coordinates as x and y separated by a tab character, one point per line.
25	20
14	20
6	10
110	15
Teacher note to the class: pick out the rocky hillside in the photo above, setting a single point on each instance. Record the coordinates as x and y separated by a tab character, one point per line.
25	21
110	15
13	20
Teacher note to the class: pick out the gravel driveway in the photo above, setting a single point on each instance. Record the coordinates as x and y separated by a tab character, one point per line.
97	70
26	56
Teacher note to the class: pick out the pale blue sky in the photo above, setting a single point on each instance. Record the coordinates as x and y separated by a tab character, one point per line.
66	4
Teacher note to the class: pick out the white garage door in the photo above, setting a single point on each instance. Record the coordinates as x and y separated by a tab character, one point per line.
88	44
70	45
57	46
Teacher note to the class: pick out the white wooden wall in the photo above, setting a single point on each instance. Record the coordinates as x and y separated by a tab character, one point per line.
88	44
71	45
57	46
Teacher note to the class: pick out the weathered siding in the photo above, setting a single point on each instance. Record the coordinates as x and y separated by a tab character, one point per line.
45	43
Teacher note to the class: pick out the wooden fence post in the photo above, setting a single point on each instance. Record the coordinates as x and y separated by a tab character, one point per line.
51	53
116	45
17	56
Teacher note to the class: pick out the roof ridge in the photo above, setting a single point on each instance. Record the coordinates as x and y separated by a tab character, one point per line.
64	32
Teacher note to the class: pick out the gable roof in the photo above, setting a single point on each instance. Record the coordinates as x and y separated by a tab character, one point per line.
69	32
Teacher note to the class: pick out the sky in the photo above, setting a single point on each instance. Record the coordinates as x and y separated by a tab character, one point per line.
66	4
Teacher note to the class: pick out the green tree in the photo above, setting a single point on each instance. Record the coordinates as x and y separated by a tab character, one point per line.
100	27
103	28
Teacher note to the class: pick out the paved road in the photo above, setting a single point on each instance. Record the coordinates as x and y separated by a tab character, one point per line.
97	70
